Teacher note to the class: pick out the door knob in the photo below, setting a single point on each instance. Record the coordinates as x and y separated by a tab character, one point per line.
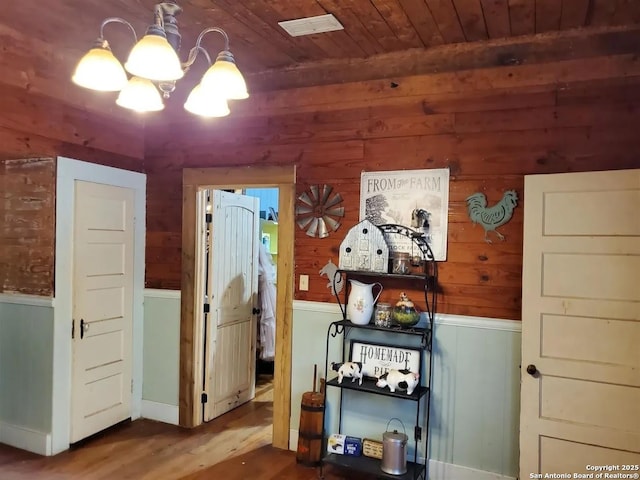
256	311
532	370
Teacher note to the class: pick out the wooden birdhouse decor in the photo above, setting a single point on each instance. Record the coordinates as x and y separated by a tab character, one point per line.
364	248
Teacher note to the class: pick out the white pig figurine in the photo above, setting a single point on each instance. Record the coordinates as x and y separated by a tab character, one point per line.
400	379
351	370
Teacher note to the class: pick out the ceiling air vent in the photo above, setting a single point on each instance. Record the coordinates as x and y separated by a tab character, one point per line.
311	25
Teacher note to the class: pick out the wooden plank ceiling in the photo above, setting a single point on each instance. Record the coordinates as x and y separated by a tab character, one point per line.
259	44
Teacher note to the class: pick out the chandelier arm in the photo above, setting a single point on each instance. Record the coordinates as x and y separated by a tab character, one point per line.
198	47
109	20
193	54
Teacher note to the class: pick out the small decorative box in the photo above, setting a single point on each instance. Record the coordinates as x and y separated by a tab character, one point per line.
372	448
344	445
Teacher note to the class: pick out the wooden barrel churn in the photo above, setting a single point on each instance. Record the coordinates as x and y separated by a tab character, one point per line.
310	429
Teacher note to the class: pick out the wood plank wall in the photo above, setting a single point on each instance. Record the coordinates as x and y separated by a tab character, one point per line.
35	129
490	126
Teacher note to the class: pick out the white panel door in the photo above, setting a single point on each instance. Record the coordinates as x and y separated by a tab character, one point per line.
581	323
231	328
102	307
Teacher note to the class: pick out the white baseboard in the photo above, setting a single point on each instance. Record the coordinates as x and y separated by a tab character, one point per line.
449	471
162	412
293	440
25	439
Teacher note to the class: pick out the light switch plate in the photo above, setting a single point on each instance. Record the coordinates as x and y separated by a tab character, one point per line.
304	283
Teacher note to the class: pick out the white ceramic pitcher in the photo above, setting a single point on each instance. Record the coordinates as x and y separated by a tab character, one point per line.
361	301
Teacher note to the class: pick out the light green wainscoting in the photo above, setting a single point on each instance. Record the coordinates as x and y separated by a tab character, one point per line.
474	421
161	355
26	373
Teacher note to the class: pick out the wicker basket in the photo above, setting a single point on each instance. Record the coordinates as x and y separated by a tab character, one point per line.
372	448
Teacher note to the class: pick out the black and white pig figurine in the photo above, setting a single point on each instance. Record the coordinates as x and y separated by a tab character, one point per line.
351	370
400	379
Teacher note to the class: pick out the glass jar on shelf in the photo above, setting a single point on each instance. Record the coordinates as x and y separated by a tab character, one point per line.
400	263
382	315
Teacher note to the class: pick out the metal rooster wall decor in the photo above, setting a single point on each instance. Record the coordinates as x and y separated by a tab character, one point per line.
491	217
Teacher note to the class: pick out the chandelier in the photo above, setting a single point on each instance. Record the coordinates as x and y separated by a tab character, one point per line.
154	66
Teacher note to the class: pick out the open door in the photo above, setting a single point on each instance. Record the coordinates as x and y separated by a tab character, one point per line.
230	281
580	389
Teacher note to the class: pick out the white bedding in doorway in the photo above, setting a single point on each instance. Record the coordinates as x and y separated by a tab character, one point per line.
267	296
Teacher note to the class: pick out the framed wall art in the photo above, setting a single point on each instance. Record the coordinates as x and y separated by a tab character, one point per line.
413	198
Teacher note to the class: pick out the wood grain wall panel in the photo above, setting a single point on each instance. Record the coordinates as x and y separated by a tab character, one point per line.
480	79
496	14
347	44
30	112
602	12
423	21
605	91
264	21
37	67
27	212
542	48
446	18
378	26
471	19
21	144
329	44
627	11
547	117
243	39
522	15
574	13
358	32
489	126
395	16
548	14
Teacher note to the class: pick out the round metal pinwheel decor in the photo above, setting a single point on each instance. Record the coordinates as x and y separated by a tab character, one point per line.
318	211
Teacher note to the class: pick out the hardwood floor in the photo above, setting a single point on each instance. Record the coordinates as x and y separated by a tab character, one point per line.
235	446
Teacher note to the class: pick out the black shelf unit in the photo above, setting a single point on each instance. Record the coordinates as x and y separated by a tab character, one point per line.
372	466
369	386
428	280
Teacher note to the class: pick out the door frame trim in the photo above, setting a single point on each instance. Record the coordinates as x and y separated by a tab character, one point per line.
191	359
67	172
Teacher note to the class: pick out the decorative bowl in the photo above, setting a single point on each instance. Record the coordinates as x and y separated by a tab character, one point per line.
405	313
406	316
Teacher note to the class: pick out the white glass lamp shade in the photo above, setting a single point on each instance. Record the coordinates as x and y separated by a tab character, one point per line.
154	58
225	77
206	103
100	70
140	95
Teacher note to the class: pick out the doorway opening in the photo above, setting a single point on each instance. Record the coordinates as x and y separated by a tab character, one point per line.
191	351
